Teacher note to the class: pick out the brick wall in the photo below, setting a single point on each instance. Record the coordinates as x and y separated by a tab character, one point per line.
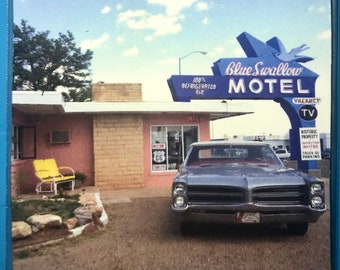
118	151
117	92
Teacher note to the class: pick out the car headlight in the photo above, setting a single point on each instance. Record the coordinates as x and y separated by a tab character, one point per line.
179	196
179	189
180	201
316	202
316	189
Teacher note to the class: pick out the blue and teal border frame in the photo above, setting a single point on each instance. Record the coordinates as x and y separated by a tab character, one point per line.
6	38
6	57
335	136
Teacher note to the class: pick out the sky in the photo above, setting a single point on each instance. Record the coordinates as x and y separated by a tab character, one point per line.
141	41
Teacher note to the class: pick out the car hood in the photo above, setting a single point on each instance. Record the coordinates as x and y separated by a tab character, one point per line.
240	175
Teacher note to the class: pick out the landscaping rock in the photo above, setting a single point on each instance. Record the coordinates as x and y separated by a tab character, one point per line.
84	214
96	223
96	219
71	223
45	221
20	229
87	199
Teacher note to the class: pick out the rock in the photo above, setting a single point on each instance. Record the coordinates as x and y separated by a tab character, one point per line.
71	223
20	229
96	208
96	220
87	199
84	214
90	228
45	221
35	229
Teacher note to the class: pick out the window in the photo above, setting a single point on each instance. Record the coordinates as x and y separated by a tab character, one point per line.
16	152
169	145
23	142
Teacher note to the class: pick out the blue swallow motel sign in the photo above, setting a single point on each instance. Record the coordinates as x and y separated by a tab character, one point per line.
268	72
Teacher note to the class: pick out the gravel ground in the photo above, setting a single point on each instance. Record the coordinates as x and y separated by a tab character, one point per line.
142	233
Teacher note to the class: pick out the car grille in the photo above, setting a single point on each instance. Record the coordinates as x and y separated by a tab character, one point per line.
215	194
270	195
276	195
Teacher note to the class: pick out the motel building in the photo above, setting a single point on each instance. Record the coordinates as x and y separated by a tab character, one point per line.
117	140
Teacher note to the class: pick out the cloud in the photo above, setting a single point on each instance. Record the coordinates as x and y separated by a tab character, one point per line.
120	39
314	9
238	52
94	43
142	20
201	6
160	24
321	9
325	35
133	51
173	7
119	7
106	10
217	51
205	21
148	38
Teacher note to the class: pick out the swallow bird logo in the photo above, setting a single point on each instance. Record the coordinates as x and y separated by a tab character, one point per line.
292	55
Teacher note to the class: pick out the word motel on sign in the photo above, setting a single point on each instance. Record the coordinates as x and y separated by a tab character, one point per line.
257	86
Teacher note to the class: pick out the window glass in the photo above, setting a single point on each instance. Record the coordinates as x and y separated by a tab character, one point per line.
169	145
16	152
23	142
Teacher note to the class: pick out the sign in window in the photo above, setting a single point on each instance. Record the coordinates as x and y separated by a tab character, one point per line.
169	145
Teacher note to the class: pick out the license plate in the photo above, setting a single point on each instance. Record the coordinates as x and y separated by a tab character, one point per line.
247	217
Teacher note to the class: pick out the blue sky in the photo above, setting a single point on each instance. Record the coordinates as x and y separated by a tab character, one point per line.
141	40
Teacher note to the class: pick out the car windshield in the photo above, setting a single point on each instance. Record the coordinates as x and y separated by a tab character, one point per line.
224	154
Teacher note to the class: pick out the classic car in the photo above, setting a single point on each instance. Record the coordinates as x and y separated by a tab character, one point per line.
244	182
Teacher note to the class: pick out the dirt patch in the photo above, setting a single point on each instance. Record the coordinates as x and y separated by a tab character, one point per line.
144	234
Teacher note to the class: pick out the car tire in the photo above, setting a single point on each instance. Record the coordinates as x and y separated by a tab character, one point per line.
297	228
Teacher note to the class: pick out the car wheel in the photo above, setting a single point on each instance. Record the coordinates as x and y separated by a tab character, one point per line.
187	228
297	228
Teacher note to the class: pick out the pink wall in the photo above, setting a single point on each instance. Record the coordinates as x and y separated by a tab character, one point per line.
78	154
165	178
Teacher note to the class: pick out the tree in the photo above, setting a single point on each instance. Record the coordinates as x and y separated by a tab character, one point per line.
45	64
82	94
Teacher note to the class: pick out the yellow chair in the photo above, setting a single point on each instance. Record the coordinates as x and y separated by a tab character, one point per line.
50	174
